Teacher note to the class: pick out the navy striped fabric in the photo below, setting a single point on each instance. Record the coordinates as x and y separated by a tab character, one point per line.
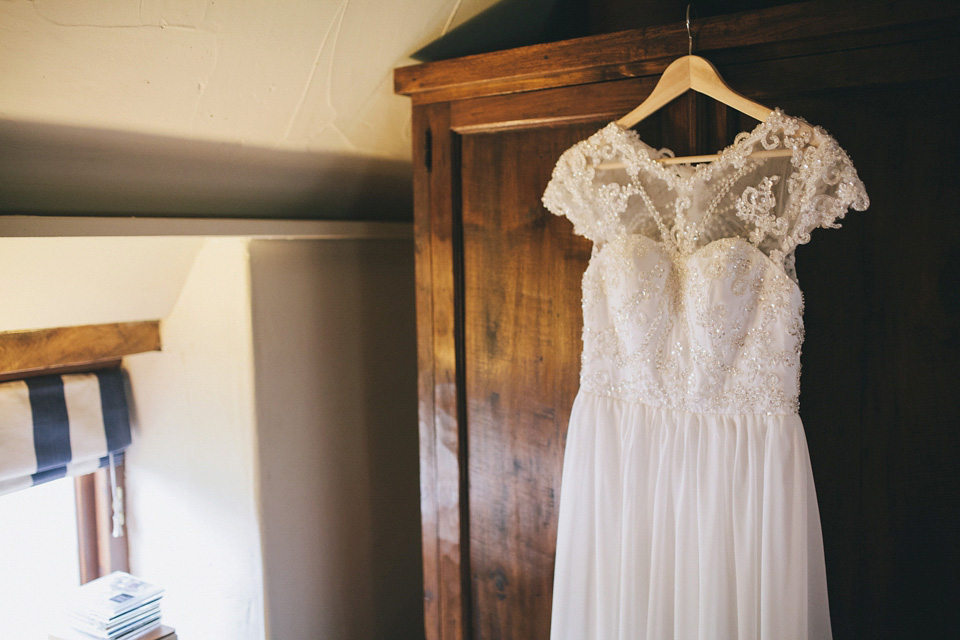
51	428
75	421
116	417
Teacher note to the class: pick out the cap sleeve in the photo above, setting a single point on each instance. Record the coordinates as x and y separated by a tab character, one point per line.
823	188
569	194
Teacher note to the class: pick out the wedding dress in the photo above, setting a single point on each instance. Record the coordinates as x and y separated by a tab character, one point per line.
688	508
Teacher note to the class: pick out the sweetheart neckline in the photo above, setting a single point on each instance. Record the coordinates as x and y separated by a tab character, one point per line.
733	239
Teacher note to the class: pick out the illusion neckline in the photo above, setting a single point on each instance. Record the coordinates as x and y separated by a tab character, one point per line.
736	152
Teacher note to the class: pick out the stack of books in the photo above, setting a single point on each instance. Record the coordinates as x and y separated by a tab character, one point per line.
117	606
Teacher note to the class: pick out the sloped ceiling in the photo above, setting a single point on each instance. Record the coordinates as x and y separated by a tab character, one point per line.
63	282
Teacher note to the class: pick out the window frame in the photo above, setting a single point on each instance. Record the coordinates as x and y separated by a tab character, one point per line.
99	552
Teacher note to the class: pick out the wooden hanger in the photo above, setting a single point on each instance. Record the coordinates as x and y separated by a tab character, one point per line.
687	73
684	74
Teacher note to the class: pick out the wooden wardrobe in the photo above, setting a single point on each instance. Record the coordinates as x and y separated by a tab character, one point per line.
498	299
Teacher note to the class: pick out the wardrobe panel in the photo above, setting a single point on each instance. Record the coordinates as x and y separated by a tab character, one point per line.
880	360
499	301
522	271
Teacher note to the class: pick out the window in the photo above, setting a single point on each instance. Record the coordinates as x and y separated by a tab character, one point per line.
56	534
40	562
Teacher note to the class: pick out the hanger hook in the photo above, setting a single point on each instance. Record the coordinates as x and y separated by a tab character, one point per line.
689	35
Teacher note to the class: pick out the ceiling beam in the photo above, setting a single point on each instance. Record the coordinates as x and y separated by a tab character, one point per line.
28	353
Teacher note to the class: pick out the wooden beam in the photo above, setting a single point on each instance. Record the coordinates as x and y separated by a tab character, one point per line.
32	352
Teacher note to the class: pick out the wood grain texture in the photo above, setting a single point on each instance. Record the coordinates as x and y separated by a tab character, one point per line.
879	365
498	296
33	351
522	348
763	80
438	291
87	367
820	26
425	378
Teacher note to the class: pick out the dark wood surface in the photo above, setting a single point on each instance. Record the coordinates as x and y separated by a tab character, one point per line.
807	27
522	349
880	365
499	312
78	348
439	313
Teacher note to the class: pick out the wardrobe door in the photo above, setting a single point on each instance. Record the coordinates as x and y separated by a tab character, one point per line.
499	315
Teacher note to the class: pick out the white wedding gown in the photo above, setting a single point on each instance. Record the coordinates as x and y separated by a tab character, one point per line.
688	508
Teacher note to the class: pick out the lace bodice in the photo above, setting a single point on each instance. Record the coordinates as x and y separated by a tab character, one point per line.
690	299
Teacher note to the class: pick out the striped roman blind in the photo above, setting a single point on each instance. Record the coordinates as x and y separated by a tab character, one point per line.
61	425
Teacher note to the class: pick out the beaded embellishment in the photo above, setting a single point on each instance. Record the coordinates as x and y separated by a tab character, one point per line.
690	300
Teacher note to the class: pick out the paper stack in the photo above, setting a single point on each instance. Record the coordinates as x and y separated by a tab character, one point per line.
117	606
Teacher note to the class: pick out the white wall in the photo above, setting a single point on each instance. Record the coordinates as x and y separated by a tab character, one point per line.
38	568
292	74
192	470
335	347
274	467
64	282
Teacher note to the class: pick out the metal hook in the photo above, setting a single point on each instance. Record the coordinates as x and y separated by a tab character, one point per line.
689	36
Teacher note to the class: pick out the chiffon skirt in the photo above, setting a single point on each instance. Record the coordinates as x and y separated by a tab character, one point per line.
686	526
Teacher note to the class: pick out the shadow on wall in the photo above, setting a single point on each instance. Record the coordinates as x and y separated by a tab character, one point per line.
334	334
510	23
55	169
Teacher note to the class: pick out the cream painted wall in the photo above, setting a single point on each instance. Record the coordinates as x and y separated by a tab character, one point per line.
62	282
303	81
272	487
192	471
291	74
